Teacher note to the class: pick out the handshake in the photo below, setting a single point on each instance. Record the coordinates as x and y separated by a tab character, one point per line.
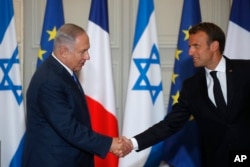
121	146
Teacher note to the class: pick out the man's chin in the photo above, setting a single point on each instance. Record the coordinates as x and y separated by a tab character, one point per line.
197	65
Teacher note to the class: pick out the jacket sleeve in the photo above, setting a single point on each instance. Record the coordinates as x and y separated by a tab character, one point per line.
174	121
66	113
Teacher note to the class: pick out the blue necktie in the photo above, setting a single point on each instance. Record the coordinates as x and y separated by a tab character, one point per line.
218	95
77	82
74	77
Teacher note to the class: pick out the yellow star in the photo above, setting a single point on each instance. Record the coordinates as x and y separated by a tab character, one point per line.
177	54
175	97
52	34
174	76
186	33
40	53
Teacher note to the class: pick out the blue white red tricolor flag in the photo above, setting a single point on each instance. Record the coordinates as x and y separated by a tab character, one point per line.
96	78
238	33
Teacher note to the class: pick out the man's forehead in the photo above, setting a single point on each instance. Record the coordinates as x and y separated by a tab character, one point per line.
198	37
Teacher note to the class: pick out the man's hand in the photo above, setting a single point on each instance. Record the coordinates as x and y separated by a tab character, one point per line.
121	146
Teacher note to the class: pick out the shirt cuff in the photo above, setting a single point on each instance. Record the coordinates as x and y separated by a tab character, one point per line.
135	143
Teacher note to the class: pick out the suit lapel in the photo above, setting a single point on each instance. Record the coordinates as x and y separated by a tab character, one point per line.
229	76
230	87
65	74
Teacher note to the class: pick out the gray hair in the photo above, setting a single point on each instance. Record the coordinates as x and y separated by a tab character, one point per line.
66	35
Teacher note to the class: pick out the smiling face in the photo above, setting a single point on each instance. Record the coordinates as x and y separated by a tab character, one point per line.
77	56
203	52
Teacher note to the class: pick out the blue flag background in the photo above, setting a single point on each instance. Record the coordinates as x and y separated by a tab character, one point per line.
53	20
183	148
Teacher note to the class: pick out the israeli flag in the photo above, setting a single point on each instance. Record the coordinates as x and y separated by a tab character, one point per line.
12	117
144	104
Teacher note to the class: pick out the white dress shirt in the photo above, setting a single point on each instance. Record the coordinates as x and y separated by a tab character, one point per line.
221	75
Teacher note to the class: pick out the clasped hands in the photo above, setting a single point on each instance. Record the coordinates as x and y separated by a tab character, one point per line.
121	146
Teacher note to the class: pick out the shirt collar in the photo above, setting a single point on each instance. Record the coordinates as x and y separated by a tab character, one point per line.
69	70
221	67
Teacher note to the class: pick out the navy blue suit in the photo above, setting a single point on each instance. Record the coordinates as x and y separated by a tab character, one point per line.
221	133
59	131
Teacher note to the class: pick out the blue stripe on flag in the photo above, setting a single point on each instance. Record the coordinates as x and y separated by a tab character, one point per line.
17	158
142	19
240	13
99	17
6	16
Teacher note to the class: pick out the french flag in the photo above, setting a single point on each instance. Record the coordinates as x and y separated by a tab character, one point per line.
97	80
238	34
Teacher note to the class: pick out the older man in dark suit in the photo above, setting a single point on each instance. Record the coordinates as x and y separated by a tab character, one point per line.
59	132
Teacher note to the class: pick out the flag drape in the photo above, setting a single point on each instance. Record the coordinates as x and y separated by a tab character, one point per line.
97	78
53	20
12	116
238	33
144	104
183	148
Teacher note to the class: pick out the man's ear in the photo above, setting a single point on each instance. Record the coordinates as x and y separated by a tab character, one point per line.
63	50
214	45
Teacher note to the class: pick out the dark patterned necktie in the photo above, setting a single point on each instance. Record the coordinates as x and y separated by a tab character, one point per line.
218	95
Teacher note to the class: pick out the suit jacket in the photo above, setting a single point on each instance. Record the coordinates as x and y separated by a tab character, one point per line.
221	132
59	131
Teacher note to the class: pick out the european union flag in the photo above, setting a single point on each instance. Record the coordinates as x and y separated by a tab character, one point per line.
53	20
183	148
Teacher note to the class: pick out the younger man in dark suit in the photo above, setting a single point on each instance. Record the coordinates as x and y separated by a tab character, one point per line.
223	129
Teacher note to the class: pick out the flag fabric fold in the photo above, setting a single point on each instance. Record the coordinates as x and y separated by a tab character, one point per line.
238	33
53	20
183	148
12	115
144	103
96	78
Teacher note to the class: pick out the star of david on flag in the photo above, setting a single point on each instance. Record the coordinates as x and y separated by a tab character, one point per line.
8	82
144	65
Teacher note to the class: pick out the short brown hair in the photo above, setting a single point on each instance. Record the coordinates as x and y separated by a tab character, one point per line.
213	32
